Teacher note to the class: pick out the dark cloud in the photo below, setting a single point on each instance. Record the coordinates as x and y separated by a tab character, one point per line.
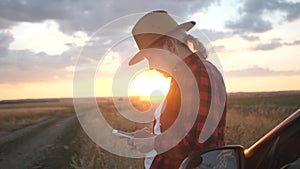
253	11
5	23
27	66
291	10
257	71
268	46
33	10
91	14
19	66
274	44
249	23
249	38
296	42
5	39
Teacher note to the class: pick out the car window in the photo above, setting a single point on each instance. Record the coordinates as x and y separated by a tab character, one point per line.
288	154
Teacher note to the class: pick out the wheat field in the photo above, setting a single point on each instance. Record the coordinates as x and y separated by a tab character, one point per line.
249	117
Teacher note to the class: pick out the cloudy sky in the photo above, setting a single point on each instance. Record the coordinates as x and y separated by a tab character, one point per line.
257	42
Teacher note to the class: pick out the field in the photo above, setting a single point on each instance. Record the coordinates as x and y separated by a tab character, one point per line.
252	116
249	116
14	116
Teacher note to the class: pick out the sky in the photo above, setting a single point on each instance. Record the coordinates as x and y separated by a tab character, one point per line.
44	43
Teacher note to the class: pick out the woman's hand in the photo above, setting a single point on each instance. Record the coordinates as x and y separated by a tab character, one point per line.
143	141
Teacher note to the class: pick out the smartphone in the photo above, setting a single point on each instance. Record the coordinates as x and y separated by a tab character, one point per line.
122	133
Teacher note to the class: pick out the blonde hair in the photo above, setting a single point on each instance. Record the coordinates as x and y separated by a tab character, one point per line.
190	41
196	46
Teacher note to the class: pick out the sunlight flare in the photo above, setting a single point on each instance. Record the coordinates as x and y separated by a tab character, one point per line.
149	85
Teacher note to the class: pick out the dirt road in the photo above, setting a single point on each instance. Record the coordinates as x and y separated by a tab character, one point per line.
45	145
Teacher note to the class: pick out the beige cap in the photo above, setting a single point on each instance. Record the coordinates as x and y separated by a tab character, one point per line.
153	26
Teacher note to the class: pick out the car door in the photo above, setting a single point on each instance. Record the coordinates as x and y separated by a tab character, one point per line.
278	148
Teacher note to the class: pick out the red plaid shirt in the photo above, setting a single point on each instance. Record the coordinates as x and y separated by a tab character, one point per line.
172	158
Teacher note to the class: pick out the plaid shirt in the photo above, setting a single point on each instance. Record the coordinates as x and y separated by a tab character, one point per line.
172	158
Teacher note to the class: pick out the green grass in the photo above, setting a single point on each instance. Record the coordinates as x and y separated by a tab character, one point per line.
280	100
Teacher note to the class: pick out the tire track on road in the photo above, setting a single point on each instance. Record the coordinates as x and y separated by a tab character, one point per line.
30	147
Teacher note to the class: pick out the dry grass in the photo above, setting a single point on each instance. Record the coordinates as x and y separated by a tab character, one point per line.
246	123
16	116
91	156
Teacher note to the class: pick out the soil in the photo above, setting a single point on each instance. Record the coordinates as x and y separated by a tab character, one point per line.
45	145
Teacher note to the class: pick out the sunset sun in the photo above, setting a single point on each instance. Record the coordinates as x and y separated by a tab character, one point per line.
149	84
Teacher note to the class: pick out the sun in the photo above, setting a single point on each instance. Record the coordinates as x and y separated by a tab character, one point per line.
149	85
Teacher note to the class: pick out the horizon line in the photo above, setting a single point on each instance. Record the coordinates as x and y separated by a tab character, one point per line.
98	97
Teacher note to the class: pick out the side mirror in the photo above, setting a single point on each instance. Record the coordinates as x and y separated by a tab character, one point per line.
227	157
